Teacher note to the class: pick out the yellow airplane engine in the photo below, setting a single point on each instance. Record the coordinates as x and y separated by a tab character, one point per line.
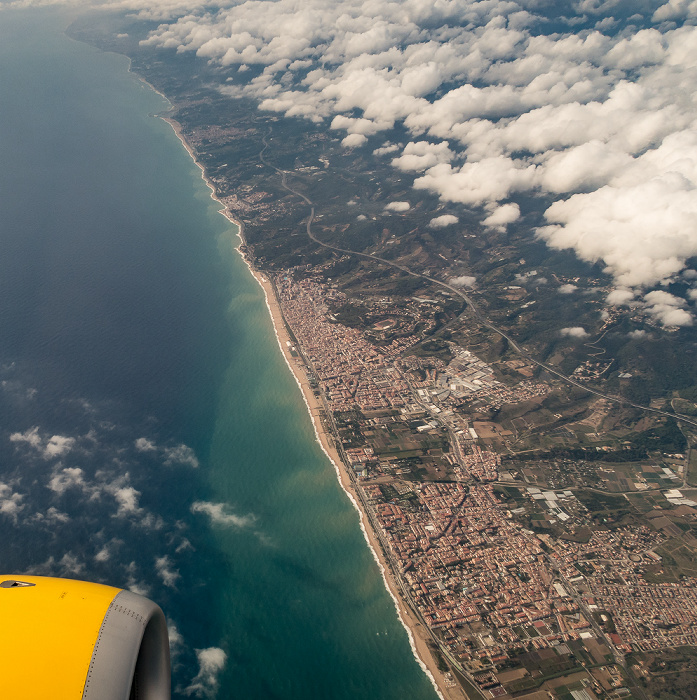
62	639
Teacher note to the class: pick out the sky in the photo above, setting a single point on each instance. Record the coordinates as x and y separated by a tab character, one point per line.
587	106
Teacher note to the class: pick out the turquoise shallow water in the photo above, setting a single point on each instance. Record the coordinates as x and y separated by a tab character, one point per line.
151	435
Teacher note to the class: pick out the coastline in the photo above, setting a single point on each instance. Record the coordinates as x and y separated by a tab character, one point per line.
416	632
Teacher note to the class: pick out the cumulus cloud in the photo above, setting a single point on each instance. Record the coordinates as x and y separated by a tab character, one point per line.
353	140
211	662
104	554
58	445
49	447
168	575
421	155
398	206
567	289
640	232
133	583
52	517
676	10
178	454
620	297
184	546
127	500
70	565
443	220
574	332
176	640
463	281
667	309
10	502
67	478
386	149
126	497
217	513
501	216
145	445
479	182
182	455
30	437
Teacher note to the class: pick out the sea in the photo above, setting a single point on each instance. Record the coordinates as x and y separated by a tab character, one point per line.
151	435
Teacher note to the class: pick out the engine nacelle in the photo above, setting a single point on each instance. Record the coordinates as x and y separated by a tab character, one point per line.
64	639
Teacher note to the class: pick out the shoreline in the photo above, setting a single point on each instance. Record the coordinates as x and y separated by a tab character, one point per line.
416	632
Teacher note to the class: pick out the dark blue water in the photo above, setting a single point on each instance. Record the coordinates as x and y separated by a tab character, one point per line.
151	435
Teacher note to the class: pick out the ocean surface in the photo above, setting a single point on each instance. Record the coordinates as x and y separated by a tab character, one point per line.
151	435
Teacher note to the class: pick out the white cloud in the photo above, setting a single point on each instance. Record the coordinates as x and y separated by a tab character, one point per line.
70	565
52	517
10	502
398	206
620	297
501	216
67	478
443	220
386	149
49	447
127	499
574	332
184	546
216	512
104	554
181	454
668	309
567	289
133	584
525	276
30	437
145	445
479	182
676	10
463	281
418	156
353	140
176	640
211	662
584	167
58	445
640	232
168	575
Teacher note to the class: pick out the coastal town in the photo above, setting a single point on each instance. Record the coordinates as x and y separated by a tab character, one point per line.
509	610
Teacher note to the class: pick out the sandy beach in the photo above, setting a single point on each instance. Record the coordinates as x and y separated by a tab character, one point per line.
418	635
